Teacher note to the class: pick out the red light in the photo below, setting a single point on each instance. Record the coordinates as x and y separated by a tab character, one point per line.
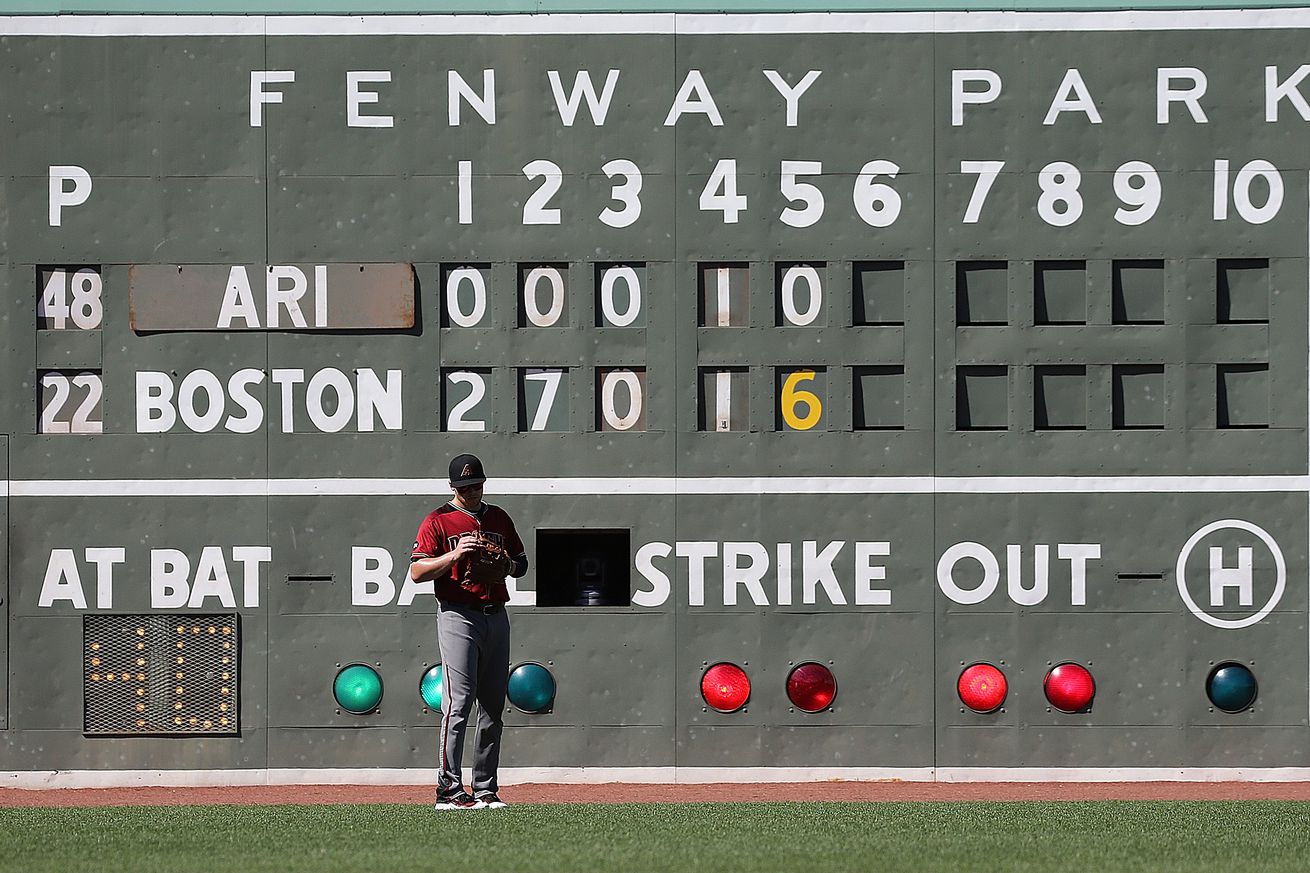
725	687
1069	687
811	687
982	688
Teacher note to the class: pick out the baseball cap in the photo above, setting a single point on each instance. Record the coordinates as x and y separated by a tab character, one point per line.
466	470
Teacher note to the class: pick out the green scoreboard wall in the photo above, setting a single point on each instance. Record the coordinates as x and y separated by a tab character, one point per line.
895	343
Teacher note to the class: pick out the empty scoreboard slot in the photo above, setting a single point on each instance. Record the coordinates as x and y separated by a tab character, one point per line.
1137	292
584	567
1139	577
1242	291
1060	292
1242	395
310	577
160	675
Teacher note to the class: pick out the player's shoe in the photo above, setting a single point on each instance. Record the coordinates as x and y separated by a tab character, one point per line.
492	800
461	800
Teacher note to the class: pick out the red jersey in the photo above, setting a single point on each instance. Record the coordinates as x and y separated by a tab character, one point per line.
440	531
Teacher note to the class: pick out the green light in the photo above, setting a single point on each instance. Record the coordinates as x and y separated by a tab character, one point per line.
358	689
429	687
531	687
1231	687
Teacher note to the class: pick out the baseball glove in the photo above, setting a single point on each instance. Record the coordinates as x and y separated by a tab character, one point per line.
486	566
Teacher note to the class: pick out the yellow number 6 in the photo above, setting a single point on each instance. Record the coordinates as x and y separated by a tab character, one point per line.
792	396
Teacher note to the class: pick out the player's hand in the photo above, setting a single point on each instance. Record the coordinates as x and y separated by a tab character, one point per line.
465	545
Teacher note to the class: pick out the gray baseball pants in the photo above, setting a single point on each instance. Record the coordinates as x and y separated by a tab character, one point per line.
474	666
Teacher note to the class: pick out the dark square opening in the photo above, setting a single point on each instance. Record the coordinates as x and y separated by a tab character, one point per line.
1137	292
1060	397
878	394
1137	397
1242	395
1243	291
586	567
982	397
1060	292
878	292
982	292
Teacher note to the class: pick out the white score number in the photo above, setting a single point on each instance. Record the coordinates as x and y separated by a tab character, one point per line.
457	419
622	400
550	381
75	298
57	390
609	389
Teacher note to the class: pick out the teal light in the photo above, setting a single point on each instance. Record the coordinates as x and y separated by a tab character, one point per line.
1231	687
531	687
429	687
358	689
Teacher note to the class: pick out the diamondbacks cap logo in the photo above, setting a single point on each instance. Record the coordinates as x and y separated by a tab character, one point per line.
468	471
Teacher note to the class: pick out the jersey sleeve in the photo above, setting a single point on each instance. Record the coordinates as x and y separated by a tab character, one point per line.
427	544
513	544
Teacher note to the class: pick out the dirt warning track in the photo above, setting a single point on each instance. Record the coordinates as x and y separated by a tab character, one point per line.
620	792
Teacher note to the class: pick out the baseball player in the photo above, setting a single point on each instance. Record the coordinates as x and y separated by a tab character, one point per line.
468	547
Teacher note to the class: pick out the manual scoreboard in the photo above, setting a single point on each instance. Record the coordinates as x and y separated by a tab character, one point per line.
875	393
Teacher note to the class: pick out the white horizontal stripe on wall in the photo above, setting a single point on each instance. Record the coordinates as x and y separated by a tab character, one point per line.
39	779
654	23
659	485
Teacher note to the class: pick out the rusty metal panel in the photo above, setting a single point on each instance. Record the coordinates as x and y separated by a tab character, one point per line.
283	297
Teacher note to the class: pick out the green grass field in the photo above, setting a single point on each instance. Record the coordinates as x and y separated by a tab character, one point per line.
868	837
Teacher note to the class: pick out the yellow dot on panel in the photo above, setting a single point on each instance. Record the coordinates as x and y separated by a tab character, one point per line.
109	677
208	723
141	677
181	645
140	722
177	705
179	675
140	692
223	706
227	630
212	629
224	691
140	646
95	647
227	660
227	675
95	662
95	677
177	720
140	662
127	676
222	721
195	630
193	719
140	631
181	660
179	689
226	644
